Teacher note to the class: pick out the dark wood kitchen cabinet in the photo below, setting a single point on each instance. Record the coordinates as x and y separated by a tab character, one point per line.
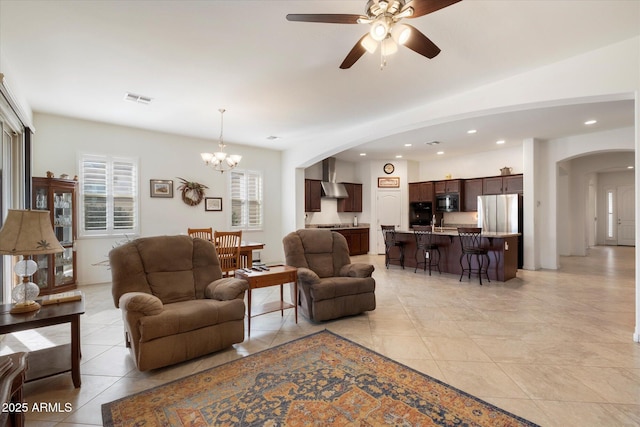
447	187
357	240
353	203
507	184
421	192
312	195
472	189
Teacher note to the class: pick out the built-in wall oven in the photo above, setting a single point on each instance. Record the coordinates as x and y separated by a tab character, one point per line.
420	213
448	203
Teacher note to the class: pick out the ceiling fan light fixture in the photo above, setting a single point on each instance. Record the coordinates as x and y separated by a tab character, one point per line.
369	43
379	29
389	47
401	33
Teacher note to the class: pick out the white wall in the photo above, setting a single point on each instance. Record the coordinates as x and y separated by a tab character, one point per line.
160	156
476	165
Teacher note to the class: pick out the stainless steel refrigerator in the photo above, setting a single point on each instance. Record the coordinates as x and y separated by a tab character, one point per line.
502	214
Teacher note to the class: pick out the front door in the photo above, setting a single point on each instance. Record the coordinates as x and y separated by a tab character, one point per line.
389	213
626	216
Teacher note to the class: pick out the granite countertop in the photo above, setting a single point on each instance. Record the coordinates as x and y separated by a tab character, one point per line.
335	227
451	231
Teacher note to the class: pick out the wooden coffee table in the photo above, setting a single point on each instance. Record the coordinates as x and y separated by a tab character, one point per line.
54	360
276	275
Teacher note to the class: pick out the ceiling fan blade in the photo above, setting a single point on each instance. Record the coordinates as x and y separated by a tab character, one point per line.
424	7
355	54
331	18
421	44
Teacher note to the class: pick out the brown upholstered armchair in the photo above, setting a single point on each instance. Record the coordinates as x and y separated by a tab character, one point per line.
175	304
329	285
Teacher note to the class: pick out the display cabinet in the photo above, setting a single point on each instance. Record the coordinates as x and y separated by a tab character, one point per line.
57	272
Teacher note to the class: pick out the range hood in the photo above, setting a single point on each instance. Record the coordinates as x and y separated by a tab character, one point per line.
330	188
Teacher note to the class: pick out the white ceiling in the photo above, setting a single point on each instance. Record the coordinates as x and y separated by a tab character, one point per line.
281	78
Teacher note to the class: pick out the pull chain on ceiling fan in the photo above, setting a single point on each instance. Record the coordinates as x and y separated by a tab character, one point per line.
386	31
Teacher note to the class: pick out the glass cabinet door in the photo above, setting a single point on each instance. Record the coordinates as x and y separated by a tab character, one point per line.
41	278
40	198
63	216
64	267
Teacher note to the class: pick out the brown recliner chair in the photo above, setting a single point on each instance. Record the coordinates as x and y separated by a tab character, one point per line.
329	285
175	304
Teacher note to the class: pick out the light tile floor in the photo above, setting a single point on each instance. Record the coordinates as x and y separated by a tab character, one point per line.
554	347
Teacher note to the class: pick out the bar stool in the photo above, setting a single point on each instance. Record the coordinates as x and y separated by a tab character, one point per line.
471	242
426	247
389	233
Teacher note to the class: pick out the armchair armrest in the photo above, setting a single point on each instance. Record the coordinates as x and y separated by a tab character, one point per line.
357	269
307	277
226	289
147	304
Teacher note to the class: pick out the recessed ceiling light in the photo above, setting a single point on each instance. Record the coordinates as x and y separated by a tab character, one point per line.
500	141
471	131
439	153
590	122
399	156
629	167
363	154
408	145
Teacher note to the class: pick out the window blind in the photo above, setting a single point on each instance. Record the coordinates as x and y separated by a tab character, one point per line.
109	188
246	199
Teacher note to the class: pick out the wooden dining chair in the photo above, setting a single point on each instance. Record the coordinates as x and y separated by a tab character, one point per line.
202	233
228	249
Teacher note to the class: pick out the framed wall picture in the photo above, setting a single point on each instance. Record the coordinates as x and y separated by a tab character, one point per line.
389	182
161	188
213	204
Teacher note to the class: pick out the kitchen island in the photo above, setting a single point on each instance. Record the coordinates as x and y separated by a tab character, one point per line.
357	236
503	252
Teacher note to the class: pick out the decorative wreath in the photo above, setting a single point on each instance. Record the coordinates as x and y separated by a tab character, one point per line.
192	192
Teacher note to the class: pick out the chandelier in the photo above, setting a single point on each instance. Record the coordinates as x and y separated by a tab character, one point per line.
220	160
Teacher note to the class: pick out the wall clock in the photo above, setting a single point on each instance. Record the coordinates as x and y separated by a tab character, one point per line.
388	168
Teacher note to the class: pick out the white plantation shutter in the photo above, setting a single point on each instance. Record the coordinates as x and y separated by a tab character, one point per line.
108	194
246	199
125	182
93	190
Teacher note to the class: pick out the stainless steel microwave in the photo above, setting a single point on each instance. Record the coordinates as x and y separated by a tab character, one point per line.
448	203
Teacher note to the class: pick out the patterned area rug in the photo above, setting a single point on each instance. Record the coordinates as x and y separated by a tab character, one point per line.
322	379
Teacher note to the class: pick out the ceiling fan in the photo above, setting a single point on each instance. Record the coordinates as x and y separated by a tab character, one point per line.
384	18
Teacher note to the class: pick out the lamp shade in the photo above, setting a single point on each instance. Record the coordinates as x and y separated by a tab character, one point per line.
27	232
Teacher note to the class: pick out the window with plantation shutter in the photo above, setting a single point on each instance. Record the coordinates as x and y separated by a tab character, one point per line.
246	199
108	196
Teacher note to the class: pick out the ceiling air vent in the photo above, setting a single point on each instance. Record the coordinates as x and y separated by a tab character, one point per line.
140	99
432	143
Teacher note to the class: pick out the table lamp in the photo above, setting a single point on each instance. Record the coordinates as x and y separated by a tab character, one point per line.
27	232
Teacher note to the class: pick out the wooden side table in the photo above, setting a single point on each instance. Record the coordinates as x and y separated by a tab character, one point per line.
276	275
54	360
